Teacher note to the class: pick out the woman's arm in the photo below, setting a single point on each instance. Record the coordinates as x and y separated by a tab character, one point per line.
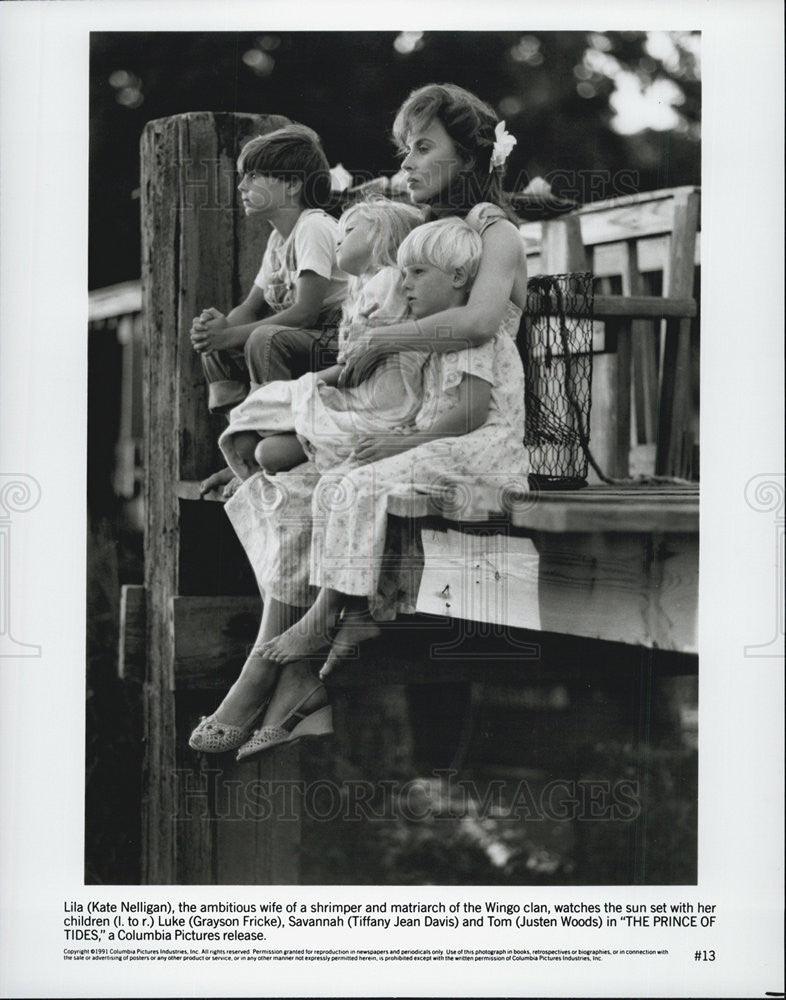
469	413
469	325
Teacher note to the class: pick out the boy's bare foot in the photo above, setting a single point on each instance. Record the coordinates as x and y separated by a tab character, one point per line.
355	627
217	480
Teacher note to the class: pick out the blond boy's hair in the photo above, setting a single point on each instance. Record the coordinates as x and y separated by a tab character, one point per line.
445	243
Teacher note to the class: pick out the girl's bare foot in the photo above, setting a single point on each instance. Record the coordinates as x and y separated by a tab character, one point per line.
356	626
216	481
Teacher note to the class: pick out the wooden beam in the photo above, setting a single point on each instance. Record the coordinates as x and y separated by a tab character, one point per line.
133	634
190	237
642	307
427	649
640	589
212	638
675	377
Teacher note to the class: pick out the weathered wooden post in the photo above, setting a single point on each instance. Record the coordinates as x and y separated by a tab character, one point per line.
197	250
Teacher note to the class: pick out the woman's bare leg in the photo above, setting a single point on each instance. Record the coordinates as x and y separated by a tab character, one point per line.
309	634
259	673
356	626
295	681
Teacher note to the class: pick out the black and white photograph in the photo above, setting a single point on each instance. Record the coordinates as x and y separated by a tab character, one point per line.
479	592
425	400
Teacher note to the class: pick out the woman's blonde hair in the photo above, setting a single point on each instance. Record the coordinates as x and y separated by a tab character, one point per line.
446	244
393	220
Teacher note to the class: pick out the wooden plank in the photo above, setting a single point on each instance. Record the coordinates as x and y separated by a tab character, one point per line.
193	800
562	249
186	242
615	219
609	224
611	518
189	490
429	649
617	511
212	638
608	306
133	634
675	377
114	300
614	458
257	819
632	588
645	373
652	252
642	307
160	277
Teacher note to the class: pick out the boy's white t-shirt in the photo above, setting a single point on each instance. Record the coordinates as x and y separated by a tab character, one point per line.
311	246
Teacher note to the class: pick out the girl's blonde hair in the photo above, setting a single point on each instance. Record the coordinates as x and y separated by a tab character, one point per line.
470	123
392	220
446	244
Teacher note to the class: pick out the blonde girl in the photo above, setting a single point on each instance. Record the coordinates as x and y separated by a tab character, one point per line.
282	424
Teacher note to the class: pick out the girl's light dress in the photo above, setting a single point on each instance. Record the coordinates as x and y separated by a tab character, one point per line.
303	531
330	421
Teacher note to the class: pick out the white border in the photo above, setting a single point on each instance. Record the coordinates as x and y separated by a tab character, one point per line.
44	92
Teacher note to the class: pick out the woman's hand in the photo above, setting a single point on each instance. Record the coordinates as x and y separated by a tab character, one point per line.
208	331
372	449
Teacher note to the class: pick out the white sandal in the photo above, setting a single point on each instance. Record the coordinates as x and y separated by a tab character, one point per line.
212	736
309	723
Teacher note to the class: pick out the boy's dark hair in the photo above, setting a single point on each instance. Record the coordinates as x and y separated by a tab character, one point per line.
293	152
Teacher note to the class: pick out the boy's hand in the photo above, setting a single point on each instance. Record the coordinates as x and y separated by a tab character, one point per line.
207	331
372	449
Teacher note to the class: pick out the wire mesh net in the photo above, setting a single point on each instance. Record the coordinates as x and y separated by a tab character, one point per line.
556	348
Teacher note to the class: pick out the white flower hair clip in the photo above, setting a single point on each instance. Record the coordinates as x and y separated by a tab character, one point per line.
503	144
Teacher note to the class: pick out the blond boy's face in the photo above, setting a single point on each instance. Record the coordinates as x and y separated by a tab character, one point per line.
429	289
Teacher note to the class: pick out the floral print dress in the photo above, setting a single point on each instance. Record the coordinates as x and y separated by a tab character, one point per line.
302	530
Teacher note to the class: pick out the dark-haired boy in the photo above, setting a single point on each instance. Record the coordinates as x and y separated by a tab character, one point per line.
287	324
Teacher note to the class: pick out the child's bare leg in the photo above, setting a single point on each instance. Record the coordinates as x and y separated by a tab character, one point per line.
245	444
279	452
311	633
356	626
